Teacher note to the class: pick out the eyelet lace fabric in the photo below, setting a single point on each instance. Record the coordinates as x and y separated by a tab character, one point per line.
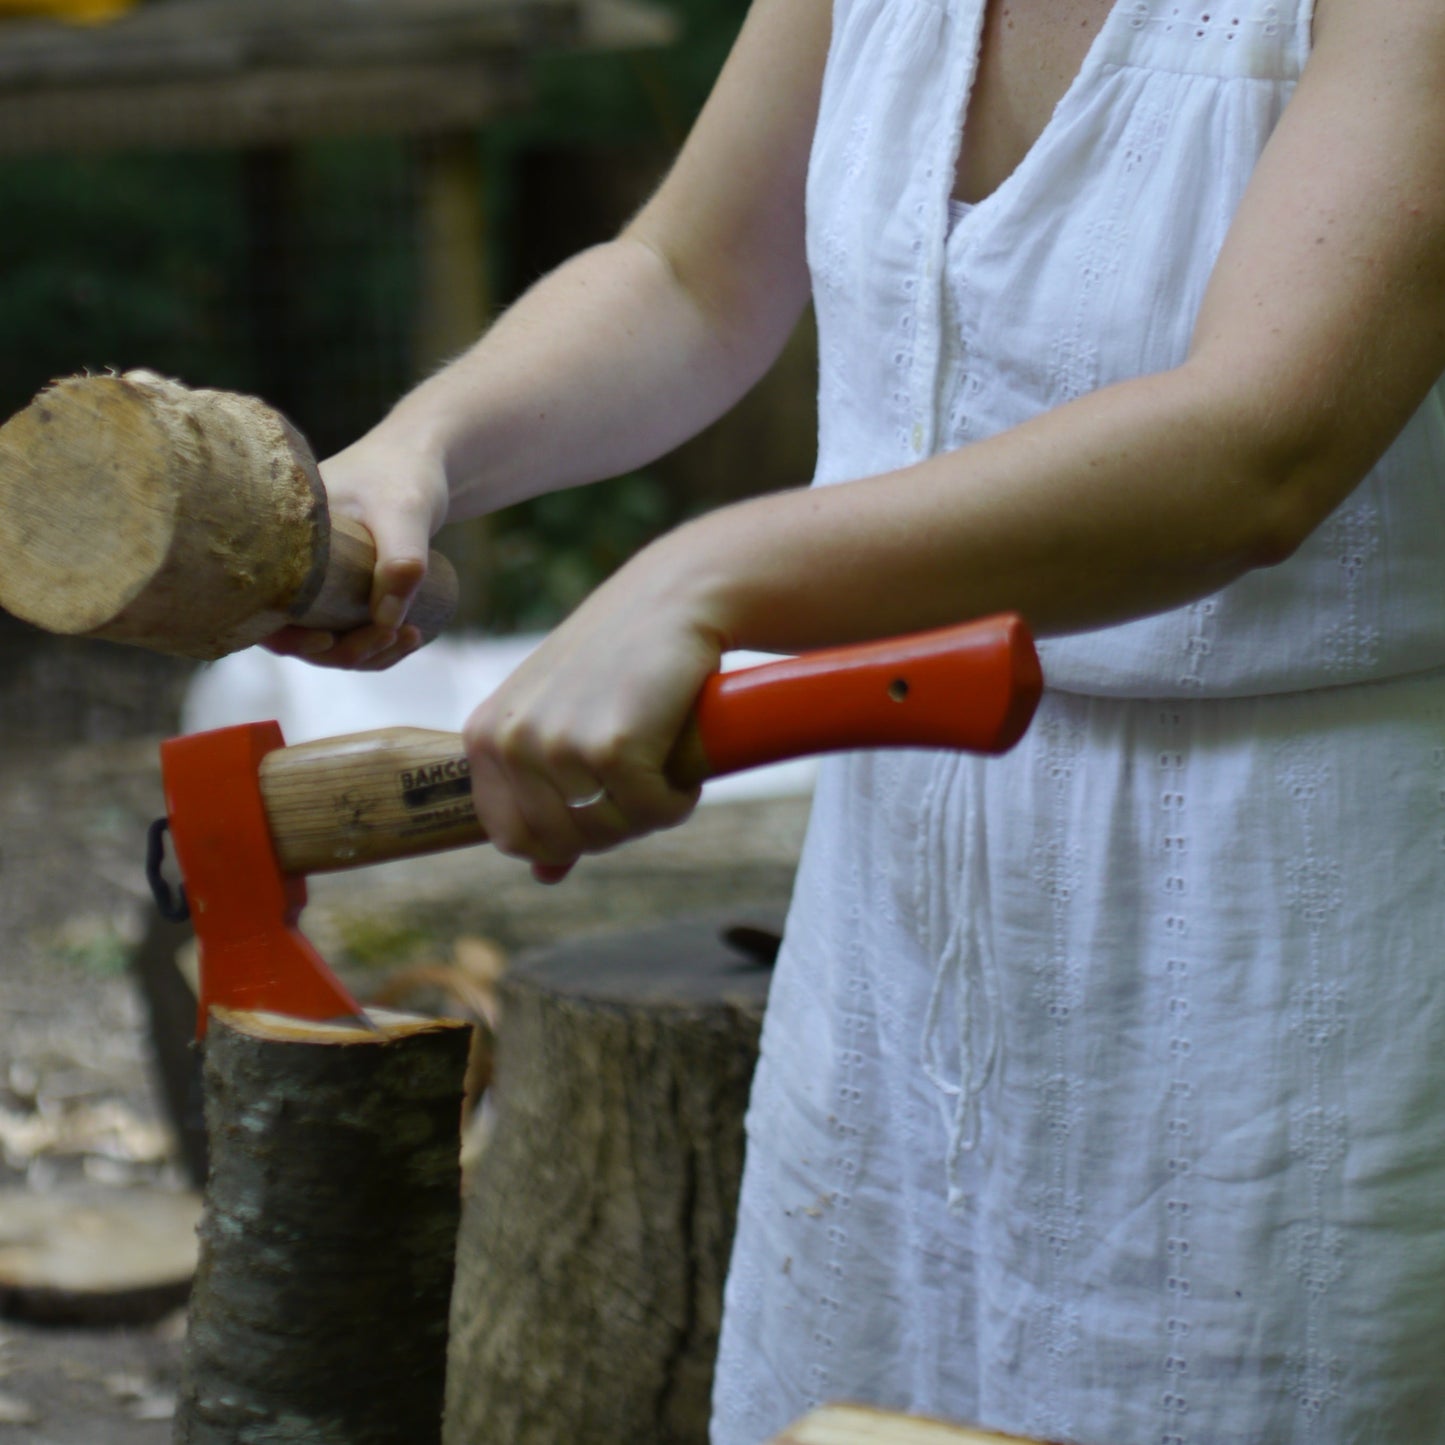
1099	1097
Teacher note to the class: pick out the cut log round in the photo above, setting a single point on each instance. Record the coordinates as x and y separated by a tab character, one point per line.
598	1220
103	1257
319	1311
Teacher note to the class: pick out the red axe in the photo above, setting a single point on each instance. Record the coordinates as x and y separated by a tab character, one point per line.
250	817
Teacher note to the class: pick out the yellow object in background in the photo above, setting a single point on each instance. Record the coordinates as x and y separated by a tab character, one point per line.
76	12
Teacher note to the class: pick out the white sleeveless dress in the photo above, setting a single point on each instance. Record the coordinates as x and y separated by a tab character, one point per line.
1102	1094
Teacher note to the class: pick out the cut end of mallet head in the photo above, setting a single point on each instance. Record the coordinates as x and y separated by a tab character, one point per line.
139	510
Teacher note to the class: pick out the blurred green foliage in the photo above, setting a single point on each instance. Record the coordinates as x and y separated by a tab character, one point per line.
546	555
149	260
115	260
157	260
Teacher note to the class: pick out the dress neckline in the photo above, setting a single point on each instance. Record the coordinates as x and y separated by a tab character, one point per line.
1103	38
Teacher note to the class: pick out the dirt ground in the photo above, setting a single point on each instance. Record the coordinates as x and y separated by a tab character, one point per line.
80	1108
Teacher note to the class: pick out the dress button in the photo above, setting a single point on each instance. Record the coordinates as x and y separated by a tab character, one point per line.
918	436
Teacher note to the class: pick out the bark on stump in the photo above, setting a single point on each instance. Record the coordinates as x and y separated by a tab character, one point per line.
599	1218
319	1310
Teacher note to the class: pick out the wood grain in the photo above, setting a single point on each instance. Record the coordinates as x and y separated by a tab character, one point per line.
861	1425
598	1219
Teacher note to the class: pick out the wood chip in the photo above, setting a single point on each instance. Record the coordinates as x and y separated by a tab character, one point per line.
15	1411
108	1130
153	1407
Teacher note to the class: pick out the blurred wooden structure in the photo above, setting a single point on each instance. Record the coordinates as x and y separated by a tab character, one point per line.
262	75
75	12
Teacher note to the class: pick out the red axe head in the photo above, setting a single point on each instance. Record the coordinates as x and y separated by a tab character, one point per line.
243	908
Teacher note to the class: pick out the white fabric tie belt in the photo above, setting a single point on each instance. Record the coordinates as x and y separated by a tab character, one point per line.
960	1045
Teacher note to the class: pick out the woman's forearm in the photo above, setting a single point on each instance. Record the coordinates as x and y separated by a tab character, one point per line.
634	346
616	357
603	366
1135	499
1318	336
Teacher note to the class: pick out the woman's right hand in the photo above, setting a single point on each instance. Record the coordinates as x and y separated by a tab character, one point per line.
399	494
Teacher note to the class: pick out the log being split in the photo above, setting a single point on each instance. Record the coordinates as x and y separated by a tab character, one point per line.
319	1310
135	509
599	1218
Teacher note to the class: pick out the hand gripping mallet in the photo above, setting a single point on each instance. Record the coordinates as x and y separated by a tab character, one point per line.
135	509
250	817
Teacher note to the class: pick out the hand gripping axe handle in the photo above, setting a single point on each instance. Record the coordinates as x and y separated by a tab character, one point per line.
250	817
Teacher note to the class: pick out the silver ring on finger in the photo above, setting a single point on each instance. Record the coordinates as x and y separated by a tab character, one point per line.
589	800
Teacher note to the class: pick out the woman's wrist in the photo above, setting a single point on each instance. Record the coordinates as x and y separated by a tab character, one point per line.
689	573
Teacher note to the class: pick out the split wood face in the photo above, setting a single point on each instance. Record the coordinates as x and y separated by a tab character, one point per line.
136	509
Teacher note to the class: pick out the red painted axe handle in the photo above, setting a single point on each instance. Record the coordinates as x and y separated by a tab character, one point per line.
397	792
972	687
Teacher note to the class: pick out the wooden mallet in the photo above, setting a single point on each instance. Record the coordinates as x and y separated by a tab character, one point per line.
191	522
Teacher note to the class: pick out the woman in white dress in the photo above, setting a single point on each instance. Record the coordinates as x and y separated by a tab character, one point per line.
1099	1096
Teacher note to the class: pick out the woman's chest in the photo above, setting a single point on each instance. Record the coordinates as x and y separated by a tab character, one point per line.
1029	54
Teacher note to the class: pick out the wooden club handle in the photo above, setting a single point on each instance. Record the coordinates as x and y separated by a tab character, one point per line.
344	598
397	792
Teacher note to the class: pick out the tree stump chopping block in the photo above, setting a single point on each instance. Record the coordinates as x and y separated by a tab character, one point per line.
598	1220
319	1310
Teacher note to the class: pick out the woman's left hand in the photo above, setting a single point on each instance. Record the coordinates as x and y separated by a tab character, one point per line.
569	756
